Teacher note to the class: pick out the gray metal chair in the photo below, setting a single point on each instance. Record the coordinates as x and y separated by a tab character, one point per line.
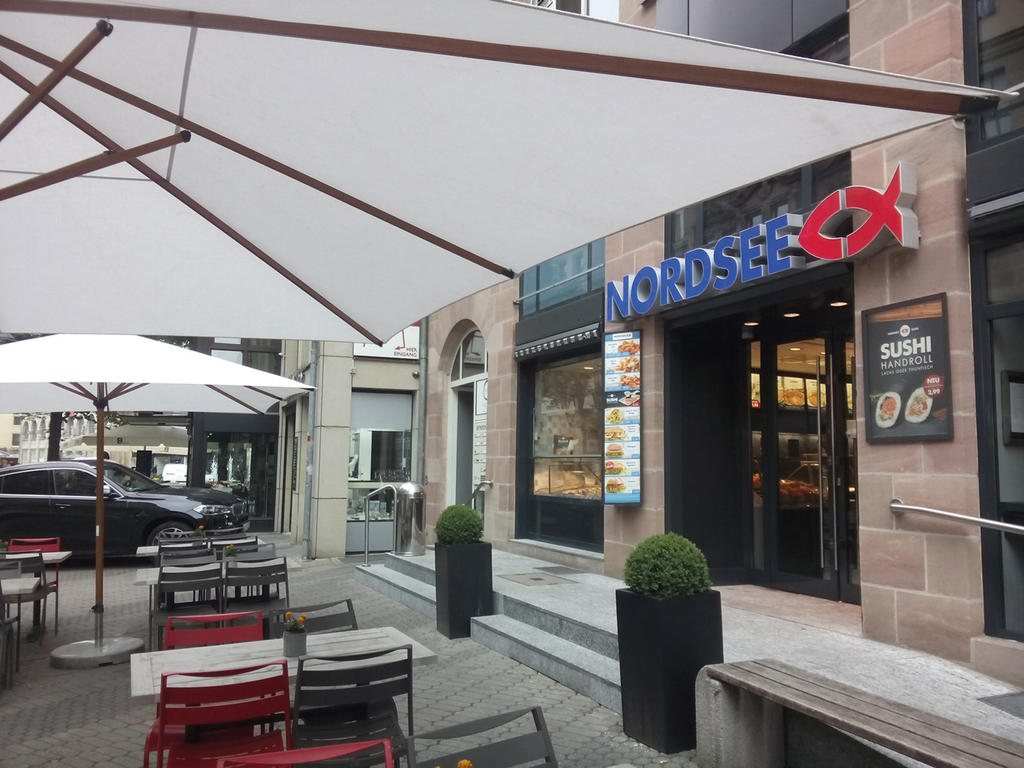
236	532
348	698
10	629
188	557
184	589
31	564
259	584
324	617
529	746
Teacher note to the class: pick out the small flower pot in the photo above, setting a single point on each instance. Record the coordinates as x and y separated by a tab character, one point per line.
294	643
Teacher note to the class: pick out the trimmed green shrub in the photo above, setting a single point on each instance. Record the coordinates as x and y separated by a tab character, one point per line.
459	524
667	565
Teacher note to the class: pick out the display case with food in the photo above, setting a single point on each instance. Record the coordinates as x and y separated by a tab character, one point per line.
579	477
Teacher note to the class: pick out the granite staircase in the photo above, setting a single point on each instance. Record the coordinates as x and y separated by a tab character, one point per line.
551	618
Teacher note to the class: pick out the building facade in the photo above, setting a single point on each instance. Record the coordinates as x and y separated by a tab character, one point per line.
355	433
771	410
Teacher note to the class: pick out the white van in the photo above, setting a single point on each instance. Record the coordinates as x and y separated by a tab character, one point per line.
174	473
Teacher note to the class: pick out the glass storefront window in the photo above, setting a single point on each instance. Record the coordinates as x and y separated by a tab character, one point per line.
751	205
1005	268
380	507
381	437
564	277
380	455
567	430
245	464
1008	356
1001	61
380	449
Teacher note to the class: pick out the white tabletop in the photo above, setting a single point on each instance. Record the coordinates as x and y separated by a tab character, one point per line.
20	586
147	667
50	558
152	551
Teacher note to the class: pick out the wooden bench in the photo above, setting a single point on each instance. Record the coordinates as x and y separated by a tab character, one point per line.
741	712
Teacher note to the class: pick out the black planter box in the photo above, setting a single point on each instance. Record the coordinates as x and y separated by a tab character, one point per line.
462	574
663	643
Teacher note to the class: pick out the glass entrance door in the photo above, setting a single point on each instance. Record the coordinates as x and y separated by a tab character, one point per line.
809	443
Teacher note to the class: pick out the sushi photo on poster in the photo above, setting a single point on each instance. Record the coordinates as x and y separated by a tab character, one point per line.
907	393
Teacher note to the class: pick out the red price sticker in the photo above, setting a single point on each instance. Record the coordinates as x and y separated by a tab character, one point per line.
933	385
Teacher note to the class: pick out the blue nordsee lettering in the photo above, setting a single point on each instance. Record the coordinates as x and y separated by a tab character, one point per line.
698	271
751	253
781	244
765	249
671	271
644	292
615	301
727	267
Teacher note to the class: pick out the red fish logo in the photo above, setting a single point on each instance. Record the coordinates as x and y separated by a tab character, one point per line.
888	210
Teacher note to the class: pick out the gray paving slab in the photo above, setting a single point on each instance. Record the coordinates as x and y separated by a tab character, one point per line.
71	718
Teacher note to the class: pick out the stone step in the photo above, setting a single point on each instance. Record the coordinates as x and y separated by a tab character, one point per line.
419	567
590	637
585	671
399	587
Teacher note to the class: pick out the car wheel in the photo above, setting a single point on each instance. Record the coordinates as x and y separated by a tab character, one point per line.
168	530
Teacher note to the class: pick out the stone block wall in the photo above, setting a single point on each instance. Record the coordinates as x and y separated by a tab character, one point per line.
921	578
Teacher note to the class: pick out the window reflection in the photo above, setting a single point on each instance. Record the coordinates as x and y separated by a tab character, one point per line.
1001	61
567	430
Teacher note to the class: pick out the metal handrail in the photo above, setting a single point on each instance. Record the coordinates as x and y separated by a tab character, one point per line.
366	518
897	506
484	483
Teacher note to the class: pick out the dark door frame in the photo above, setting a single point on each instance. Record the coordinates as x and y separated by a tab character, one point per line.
835	331
760	301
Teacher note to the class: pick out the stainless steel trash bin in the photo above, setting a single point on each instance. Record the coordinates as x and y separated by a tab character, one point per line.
410	537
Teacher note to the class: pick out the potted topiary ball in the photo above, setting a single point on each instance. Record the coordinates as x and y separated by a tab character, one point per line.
462	570
669	625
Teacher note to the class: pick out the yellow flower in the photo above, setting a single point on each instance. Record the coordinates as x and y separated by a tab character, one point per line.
464	764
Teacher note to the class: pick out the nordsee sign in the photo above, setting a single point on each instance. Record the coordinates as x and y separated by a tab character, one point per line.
773	247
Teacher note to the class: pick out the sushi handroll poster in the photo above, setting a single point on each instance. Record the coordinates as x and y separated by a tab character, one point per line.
906	369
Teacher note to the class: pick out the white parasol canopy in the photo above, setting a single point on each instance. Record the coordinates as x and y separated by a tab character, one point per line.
71	372
68	372
355	165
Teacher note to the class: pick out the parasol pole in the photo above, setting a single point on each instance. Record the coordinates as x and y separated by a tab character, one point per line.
100	515
100	650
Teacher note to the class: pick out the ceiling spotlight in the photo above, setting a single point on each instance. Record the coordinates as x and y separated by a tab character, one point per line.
838	303
751	323
791	314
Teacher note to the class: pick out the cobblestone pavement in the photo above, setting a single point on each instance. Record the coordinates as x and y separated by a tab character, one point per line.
86	718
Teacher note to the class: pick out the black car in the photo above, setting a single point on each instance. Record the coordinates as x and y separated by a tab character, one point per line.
58	498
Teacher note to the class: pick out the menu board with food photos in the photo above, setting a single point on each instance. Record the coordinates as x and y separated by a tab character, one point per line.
906	371
622	418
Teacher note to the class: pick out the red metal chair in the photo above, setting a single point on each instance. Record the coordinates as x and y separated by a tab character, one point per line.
183	632
212	629
203	716
49	544
292	757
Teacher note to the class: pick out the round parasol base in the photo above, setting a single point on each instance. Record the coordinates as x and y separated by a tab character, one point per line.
86	654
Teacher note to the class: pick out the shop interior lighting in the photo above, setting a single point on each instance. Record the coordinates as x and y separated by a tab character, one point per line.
838	303
791	314
794	349
751	323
